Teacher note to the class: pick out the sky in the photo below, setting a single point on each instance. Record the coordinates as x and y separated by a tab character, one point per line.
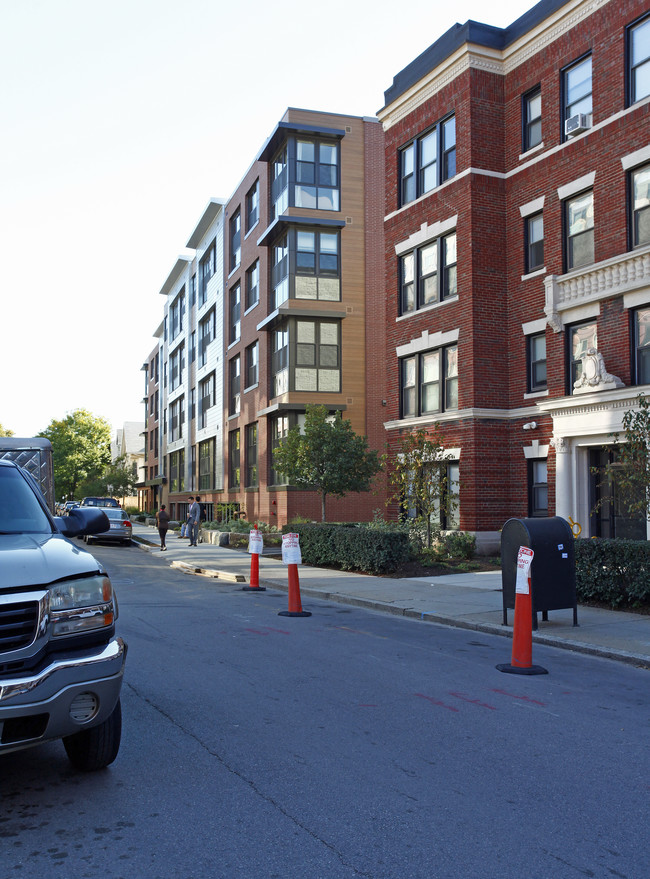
119	120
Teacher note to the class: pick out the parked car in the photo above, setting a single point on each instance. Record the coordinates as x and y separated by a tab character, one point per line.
61	663
99	502
119	529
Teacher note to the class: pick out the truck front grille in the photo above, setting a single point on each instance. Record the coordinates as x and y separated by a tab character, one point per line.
18	624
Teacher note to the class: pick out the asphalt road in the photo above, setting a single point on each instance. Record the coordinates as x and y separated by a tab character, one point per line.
346	744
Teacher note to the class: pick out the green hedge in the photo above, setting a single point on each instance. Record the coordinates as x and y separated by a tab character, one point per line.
351	548
616	572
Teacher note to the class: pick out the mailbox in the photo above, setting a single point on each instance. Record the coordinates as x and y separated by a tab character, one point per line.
553	570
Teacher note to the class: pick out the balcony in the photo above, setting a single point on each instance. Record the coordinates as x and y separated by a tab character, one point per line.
588	285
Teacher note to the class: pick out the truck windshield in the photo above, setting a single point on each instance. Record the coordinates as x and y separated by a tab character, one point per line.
20	510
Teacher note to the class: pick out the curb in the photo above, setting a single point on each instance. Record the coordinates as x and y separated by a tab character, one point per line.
635	659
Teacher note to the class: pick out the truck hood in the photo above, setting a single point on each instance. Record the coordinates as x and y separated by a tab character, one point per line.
41	559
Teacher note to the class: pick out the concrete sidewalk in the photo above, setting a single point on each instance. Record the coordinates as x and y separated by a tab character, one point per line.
471	601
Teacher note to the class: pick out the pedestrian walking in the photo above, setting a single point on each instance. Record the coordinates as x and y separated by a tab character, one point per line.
194	520
162	521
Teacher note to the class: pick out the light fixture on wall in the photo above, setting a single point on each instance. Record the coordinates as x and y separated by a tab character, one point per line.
530	425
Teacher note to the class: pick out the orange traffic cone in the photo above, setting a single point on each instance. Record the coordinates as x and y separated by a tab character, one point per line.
295	606
522	638
254	585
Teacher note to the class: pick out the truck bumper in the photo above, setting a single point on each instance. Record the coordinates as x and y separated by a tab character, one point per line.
70	694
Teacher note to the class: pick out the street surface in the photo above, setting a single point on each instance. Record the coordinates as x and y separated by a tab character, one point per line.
347	744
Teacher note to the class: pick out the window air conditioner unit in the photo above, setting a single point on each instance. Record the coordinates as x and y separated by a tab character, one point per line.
576	124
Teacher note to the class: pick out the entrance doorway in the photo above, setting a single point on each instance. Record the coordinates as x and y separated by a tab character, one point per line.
609	518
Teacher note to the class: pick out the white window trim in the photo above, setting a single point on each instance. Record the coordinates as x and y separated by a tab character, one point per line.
426	342
639	157
532	207
585	182
427	232
534	326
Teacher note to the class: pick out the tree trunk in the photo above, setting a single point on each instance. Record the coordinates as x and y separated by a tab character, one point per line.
322	505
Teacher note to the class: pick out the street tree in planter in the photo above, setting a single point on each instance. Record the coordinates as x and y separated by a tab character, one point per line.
419	480
327	456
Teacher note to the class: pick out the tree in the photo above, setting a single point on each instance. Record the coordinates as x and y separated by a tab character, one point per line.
327	456
81	447
5	431
629	471
418	477
118	479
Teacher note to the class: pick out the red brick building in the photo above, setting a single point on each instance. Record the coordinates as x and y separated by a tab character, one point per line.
517	242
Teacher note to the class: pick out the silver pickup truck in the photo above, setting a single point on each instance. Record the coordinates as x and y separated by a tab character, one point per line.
61	663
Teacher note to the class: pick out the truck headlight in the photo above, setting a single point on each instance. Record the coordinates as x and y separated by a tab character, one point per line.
82	605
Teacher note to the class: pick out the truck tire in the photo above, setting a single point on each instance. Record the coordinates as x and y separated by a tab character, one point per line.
97	747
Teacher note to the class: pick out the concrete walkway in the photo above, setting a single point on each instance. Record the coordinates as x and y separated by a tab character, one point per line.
471	601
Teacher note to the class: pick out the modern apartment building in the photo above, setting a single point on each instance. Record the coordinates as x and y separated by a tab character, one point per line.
517	247
282	306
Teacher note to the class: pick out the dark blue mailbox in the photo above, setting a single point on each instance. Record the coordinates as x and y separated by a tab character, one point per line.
553	570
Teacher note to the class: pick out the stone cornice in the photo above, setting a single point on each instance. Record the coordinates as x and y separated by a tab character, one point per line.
499	62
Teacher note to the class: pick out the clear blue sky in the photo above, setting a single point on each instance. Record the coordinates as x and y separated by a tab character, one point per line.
120	120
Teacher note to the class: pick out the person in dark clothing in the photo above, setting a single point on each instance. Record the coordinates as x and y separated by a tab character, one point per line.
162	521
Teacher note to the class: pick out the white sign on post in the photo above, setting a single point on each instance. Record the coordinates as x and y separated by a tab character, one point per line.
255	542
291	549
524	559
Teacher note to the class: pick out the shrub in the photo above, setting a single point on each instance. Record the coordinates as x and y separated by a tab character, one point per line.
351	548
458	545
616	572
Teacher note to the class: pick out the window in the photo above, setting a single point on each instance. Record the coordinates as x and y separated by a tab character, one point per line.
234	472
444	515
206	464
428	161
280	272
280	183
251	456
252	205
206	399
638	55
576	85
176	313
429	382
536	362
532	111
537	488
279	432
192	412
193	291
317	356
280	361
640	203
421	283
534	243
641	320
581	338
253	284
176	366
579	222
192	485
207	268
317	264
235	240
193	346
234	385
177	471
317	175
206	335
235	313
252	357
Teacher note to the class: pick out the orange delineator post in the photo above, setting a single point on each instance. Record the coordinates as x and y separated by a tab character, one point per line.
522	637
254	584
295	605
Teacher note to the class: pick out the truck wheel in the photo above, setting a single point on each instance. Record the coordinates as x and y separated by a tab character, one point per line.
97	747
